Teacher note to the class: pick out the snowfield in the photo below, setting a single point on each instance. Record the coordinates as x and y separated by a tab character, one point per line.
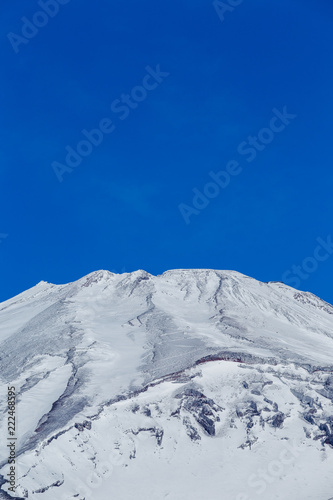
189	385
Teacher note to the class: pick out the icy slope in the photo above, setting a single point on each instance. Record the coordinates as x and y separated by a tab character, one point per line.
185	385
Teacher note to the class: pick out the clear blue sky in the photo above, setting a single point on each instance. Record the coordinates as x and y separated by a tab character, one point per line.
119	208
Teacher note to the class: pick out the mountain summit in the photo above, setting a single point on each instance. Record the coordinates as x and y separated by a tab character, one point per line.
188	385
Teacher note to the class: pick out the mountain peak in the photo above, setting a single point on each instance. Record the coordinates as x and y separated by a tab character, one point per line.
186	367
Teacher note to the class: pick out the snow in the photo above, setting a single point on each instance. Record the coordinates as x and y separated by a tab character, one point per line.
191	384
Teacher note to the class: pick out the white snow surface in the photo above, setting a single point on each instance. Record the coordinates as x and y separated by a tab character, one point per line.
189	385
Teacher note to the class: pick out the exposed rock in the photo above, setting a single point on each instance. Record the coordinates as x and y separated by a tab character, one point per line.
277	420
85	425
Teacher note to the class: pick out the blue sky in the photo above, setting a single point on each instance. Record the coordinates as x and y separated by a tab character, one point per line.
119	209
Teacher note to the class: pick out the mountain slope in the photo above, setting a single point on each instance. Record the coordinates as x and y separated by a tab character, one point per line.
189	384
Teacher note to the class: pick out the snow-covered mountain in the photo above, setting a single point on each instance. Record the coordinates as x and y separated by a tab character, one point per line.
191	385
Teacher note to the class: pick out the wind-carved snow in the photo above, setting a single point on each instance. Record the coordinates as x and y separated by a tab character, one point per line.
173	382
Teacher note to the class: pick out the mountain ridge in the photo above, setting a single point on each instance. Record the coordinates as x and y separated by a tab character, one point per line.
83	351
